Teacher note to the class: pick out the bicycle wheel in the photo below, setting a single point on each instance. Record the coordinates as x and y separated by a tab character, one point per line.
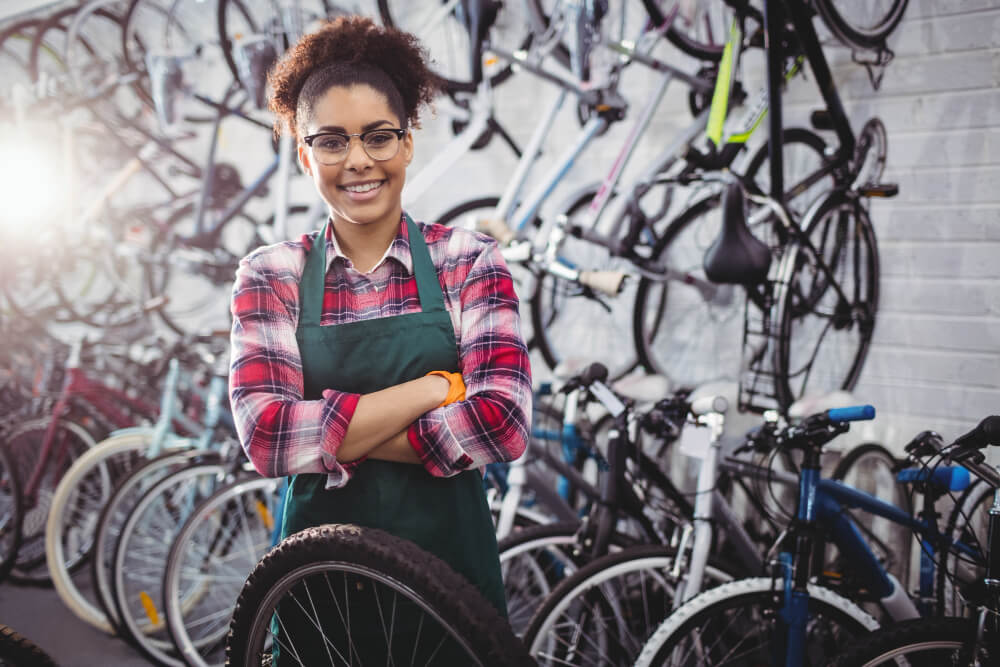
279	21
209	561
863	25
533	561
466	215
574	323
24	444
825	328
871	468
19	651
115	513
195	282
175	29
119	454
603	613
338	565
11	513
442	29
969	524
929	642
686	328
141	555
700	29
92	51
737	624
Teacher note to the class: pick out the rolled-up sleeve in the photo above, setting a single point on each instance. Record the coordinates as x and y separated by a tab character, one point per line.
492	424
281	433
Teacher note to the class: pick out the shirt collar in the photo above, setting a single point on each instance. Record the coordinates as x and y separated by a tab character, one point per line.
398	250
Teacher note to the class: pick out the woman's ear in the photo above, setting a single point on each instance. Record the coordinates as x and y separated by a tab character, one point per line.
304	163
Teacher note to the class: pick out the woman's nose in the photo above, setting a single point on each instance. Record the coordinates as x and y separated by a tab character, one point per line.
356	158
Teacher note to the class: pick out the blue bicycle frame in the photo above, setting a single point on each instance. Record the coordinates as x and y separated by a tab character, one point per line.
822	502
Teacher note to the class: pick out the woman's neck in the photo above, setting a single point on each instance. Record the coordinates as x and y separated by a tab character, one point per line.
365	245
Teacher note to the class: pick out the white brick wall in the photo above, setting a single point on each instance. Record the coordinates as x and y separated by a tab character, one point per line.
935	361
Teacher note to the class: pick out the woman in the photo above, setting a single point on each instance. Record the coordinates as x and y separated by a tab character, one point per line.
378	362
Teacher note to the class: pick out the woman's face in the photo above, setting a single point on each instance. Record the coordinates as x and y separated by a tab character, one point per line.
351	110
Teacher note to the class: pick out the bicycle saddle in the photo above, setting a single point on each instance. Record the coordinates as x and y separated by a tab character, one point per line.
736	257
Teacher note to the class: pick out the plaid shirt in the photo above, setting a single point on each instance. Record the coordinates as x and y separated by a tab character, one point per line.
286	435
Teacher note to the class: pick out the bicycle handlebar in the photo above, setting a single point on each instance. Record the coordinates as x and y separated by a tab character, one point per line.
986	433
852	414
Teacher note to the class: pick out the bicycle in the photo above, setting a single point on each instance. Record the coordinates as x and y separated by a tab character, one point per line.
974	640
768	616
84	510
826	279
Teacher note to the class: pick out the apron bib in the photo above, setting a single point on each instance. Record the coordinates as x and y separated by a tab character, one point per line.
449	517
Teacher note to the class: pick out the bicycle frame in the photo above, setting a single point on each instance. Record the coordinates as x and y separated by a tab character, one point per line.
821	503
775	12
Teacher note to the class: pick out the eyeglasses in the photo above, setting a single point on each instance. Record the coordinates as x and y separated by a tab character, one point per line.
331	148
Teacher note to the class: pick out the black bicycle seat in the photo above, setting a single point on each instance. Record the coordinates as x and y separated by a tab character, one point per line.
736	257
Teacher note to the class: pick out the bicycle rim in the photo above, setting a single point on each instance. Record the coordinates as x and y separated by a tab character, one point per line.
218	545
824	334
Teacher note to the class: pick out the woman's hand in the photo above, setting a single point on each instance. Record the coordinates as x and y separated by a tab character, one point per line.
456	387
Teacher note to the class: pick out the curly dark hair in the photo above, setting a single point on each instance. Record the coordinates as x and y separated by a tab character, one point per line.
347	51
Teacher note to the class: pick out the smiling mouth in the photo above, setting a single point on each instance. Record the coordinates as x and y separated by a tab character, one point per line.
362	188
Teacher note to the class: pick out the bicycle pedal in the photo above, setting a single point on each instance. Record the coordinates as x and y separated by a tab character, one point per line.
879	190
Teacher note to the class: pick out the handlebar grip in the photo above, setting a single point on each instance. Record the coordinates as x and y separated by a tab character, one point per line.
596	372
987	432
854	413
707	404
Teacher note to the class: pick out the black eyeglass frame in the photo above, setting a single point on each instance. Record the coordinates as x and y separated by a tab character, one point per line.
399	132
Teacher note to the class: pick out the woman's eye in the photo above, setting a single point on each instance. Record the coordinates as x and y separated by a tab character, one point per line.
379	139
335	144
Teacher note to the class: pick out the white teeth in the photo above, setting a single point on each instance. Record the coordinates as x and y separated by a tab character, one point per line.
362	188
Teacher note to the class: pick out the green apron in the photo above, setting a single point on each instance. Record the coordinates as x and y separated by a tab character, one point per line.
448	517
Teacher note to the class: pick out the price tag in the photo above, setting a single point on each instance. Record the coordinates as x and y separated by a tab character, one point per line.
695	441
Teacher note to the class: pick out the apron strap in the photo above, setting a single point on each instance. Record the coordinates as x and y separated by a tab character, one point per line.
311	287
428	286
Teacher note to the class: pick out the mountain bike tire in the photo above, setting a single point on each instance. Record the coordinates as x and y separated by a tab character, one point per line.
808	309
843	19
922	641
17	650
452	611
748	608
11	513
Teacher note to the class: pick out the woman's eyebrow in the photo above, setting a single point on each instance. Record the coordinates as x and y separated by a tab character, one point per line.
364	128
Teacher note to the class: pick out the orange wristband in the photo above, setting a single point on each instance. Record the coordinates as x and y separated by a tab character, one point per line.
456	390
